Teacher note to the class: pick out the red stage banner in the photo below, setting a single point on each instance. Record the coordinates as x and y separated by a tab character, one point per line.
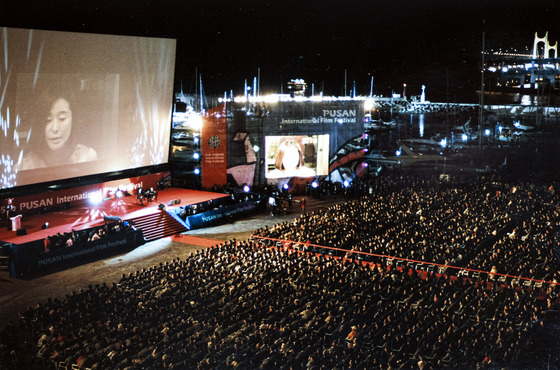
30	204
214	148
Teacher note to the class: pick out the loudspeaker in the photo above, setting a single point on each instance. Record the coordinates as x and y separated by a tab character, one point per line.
161	206
175	201
21	232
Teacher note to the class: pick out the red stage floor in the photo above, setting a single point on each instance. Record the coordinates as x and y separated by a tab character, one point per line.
85	216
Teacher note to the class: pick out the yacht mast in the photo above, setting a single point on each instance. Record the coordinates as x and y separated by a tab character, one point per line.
201	96
481	97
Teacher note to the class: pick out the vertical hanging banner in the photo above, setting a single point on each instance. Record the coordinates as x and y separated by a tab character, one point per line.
214	148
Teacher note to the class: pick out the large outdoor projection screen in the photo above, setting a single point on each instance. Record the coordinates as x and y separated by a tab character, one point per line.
76	104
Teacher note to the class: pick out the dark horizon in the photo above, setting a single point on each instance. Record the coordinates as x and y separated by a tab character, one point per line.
436	43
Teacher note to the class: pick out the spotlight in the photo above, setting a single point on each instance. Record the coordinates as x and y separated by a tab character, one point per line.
346	183
246	188
286	186
196	171
119	194
196	155
45	226
96	197
314	184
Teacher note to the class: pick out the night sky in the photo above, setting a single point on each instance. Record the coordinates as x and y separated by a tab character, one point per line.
432	42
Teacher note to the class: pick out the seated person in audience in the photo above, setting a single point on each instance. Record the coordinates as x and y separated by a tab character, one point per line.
95	236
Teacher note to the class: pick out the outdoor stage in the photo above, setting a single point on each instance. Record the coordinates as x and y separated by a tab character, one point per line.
89	215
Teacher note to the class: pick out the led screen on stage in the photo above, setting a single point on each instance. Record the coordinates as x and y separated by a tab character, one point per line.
76	104
296	156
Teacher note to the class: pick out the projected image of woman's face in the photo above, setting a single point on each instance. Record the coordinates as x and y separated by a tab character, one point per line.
59	124
82	104
290	161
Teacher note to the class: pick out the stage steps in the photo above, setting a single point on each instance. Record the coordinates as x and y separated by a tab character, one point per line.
158	225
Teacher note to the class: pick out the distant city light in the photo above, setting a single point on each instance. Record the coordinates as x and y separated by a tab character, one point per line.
398	152
275	98
189	120
464	137
443	142
487	132
368	104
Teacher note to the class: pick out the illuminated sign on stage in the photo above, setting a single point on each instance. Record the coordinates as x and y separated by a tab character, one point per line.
79	195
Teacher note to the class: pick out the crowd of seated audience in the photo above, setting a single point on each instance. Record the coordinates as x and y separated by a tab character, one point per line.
243	306
247	305
82	237
480	225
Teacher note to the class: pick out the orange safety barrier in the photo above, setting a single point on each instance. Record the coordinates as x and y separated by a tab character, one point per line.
461	270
